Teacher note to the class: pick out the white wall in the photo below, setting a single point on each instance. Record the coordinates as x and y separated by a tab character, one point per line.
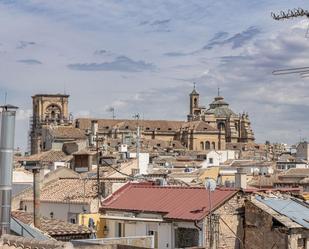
219	156
165	231
165	235
61	210
22	177
143	162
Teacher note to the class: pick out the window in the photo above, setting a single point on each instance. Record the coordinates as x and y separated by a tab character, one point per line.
120	230
169	129
211	160
127	127
147	128
202	145
207	145
195	102
158	129
213	145
135	171
301	243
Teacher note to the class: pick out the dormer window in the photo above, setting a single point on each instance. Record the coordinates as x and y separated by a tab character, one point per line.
106	127
147	128
127	127
169	129
158	129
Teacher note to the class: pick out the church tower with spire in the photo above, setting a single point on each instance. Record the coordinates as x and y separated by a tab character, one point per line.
195	109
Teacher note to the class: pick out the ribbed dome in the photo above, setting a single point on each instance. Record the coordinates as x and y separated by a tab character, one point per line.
220	108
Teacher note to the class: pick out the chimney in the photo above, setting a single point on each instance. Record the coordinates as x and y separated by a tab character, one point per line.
94	131
8	114
241	178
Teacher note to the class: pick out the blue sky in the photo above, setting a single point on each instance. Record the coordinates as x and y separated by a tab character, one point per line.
143	56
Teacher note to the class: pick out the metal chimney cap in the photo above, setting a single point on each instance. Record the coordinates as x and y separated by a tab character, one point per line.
8	107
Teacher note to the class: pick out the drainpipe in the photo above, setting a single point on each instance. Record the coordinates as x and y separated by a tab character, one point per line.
6	165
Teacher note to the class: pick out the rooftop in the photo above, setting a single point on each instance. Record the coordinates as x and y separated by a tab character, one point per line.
67	132
52	227
293	209
295	172
65	190
46	156
181	203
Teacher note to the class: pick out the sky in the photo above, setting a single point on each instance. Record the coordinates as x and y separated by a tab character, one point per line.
142	56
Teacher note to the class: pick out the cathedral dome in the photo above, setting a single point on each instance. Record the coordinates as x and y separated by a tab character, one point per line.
220	108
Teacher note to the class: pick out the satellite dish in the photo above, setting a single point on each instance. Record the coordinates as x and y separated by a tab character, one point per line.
210	184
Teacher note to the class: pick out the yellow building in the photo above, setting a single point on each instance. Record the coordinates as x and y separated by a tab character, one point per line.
100	224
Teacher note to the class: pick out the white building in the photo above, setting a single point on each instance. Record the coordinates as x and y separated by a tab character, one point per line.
217	157
64	199
175	216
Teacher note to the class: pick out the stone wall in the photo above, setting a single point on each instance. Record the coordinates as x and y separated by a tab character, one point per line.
260	231
230	218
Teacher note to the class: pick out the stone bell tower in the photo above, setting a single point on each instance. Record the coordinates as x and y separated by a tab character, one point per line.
195	110
48	109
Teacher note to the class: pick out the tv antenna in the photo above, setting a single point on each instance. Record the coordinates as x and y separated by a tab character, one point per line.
294	13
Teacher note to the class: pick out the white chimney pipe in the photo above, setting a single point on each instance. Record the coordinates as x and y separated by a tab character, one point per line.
6	165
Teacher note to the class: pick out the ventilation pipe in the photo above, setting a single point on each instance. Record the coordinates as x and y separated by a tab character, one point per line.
8	114
241	178
94	131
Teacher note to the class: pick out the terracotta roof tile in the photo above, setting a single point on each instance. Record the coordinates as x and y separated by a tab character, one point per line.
18	242
147	125
46	156
64	190
64	132
52	227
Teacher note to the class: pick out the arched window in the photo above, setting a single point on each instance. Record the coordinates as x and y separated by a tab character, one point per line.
195	102
207	145
236	126
52	112
202	145
213	145
221	126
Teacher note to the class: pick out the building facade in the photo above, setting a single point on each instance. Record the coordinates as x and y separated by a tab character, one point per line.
210	128
233	127
48	110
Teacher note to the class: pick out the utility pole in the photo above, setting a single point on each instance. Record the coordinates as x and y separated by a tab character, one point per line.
36	197
137	139
98	168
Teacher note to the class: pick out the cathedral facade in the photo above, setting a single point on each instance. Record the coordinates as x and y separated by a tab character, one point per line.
211	128
235	128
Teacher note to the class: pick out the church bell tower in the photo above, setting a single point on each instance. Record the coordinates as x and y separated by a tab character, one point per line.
195	110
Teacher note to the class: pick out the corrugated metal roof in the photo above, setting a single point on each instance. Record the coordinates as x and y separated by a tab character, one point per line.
294	210
183	203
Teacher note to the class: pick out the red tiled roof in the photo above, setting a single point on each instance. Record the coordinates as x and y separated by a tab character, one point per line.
183	203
